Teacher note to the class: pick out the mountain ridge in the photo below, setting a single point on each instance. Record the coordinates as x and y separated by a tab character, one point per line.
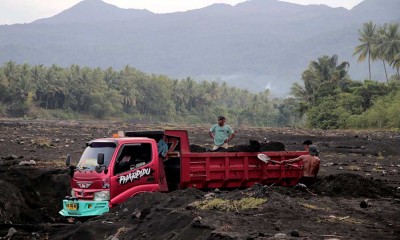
252	44
104	12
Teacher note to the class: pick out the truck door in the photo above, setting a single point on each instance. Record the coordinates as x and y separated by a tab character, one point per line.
133	172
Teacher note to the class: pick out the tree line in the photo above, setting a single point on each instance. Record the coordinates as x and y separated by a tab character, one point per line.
40	91
326	98
329	99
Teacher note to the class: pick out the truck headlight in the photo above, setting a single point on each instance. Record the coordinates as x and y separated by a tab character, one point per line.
73	193
101	196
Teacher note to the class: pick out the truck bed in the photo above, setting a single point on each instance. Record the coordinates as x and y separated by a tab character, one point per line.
237	169
222	169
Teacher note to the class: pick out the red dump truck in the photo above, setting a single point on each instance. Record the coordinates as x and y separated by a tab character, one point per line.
111	170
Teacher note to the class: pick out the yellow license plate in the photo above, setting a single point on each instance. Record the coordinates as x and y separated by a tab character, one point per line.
72	206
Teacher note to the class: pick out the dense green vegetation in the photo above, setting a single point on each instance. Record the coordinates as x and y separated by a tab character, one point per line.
327	99
39	91
330	99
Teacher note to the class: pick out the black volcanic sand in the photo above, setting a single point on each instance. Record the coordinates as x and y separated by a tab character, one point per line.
357	194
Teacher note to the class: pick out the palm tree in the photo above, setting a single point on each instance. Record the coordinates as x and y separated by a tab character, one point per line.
38	73
298	91
110	77
190	87
396	62
214	90
366	38
379	47
389	46
326	69
179	96
10	71
320	79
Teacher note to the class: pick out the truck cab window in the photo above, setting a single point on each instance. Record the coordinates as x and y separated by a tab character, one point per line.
132	156
88	159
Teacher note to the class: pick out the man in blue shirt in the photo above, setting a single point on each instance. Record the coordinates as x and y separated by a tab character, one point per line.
221	134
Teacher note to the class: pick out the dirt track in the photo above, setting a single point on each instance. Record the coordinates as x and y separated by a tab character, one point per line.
355	166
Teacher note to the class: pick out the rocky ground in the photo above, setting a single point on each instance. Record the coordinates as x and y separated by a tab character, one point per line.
357	195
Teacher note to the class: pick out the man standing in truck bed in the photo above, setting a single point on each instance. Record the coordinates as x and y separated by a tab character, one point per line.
221	133
311	164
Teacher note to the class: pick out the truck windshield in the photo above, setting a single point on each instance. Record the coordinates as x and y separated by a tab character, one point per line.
88	160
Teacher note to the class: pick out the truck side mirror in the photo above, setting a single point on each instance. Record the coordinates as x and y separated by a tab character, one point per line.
100	162
68	160
100	159
71	169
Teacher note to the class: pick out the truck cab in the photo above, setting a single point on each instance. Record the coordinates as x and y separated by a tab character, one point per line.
112	170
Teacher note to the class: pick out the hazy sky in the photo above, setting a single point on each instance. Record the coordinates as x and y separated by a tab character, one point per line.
25	11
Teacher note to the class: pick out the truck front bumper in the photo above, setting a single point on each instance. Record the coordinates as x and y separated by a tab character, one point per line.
80	208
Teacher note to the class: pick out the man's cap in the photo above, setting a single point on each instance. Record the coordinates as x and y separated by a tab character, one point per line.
221	118
313	150
307	142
